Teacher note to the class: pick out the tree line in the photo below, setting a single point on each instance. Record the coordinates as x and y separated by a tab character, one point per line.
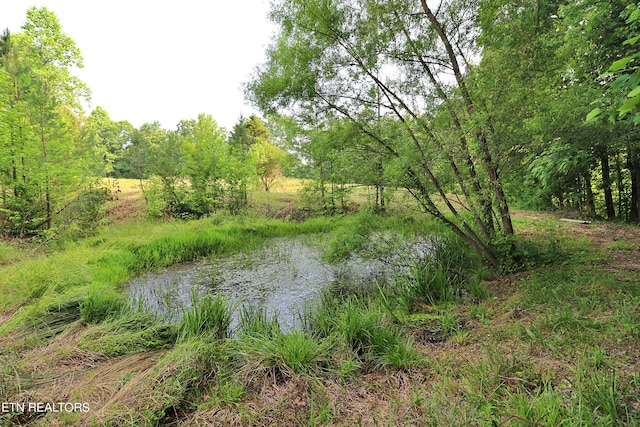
52	155
472	106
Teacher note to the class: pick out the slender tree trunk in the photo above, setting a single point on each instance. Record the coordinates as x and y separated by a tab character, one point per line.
622	211
606	183
633	163
496	186
589	199
46	168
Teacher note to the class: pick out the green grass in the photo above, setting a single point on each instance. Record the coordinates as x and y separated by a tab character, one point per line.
555	345
129	334
206	317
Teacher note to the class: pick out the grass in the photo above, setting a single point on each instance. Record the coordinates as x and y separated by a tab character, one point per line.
555	342
208	316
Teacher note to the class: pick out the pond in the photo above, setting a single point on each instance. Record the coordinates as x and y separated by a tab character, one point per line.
281	278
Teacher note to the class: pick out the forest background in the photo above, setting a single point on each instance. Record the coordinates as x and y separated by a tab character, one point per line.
471	107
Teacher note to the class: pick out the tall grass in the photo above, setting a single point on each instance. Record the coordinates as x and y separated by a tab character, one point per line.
206	317
102	304
451	269
362	325
255	321
284	354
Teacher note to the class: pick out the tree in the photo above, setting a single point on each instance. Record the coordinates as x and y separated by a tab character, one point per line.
39	113
205	150
325	63
269	163
105	143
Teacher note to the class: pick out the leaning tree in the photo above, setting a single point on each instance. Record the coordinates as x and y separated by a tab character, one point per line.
406	63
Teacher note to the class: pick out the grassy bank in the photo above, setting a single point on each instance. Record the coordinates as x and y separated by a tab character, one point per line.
552	341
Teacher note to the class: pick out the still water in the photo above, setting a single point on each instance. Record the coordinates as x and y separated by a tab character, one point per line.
281	278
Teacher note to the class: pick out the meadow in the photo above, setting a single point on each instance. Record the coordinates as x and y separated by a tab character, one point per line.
551	338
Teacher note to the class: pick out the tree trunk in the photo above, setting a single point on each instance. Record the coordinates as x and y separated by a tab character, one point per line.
496	185
46	168
633	164
622	209
606	183
589	199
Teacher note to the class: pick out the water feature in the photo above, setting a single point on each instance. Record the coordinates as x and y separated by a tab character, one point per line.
280	278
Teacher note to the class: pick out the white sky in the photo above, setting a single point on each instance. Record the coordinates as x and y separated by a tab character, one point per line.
163	60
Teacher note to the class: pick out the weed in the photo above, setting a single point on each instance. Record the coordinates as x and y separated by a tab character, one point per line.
226	391
282	356
102	304
426	283
516	253
450	324
255	321
369	335
602	394
209	316
479	312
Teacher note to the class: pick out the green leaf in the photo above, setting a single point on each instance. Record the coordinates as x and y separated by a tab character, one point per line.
632	40
634	92
617	83
629	105
636	119
591	117
619	64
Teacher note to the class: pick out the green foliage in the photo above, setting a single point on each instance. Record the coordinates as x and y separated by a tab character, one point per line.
627	74
518	253
352	237
40	166
206	317
435	140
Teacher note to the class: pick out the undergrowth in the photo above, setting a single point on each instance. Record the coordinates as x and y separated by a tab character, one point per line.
444	343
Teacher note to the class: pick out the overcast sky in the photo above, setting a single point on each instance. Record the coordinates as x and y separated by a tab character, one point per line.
163	60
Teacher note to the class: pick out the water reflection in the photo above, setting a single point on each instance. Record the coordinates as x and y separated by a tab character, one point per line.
280	278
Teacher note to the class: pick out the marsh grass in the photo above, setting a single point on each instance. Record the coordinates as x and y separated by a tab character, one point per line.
55	318
102	304
130	333
364	327
256	321
208	316
554	346
280	358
